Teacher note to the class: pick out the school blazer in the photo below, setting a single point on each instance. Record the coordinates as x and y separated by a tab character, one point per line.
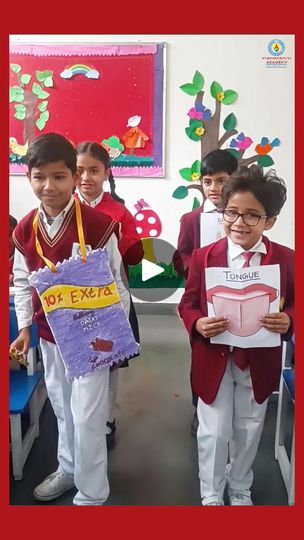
188	240
208	361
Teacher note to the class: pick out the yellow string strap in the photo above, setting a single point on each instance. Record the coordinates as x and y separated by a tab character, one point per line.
83	252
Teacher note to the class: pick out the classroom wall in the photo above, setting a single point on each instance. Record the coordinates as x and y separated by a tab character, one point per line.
265	107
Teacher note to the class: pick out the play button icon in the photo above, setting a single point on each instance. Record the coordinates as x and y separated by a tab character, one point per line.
149	270
155	278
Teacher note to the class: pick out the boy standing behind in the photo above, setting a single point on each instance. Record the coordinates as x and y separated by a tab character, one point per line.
80	406
216	169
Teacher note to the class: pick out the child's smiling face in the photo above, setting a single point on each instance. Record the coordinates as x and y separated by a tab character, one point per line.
239	232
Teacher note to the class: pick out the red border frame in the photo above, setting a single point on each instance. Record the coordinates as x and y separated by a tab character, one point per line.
148	522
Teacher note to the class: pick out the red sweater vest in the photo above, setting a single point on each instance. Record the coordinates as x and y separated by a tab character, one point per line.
97	229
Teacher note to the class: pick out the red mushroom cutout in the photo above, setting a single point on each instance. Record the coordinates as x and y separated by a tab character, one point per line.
243	307
148	226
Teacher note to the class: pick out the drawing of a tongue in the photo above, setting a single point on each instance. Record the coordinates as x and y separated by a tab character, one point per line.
243	308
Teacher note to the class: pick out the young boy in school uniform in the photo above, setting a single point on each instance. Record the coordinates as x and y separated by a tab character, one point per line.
234	386
216	169
80	406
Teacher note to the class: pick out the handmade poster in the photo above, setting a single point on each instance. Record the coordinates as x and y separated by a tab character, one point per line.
109	93
243	296
84	311
212	228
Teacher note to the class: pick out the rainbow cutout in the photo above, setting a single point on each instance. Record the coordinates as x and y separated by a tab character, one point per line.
80	69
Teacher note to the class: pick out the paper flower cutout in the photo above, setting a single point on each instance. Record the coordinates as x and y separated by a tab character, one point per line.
195	130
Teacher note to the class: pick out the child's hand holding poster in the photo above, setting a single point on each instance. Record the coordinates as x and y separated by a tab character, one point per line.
243	296
84	311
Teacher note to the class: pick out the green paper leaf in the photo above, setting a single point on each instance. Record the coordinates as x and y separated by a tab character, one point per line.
196	204
185	173
15	68
16	94
48	82
20	108
42	106
196	167
234	152
192	135
36	89
43	95
215	88
190	89
229	122
25	78
40	123
265	161
43	75
44	116
198	81
19	115
180	193
195	123
230	97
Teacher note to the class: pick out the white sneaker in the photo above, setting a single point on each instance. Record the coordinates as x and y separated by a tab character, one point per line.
213	500
240	498
53	486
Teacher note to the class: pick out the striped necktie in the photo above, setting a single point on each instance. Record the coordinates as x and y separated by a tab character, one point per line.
247	256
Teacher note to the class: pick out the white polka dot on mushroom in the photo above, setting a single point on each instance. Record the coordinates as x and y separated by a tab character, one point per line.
151	220
153	232
139	230
139	217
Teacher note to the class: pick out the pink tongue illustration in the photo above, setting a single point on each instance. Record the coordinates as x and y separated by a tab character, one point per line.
242	307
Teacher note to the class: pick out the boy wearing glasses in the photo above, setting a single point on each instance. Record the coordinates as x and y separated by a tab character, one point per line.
233	384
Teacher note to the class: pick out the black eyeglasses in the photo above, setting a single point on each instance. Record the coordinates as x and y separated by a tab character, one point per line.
249	219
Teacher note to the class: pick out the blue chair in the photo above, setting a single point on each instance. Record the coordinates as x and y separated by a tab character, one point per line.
286	394
27	393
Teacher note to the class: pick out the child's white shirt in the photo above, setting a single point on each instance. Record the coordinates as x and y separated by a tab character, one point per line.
23	290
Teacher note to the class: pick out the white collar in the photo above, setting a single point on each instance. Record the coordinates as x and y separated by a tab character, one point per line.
209	206
235	250
43	215
92	203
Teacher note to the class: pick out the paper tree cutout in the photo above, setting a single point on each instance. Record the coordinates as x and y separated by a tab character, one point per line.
113	146
31	100
204	127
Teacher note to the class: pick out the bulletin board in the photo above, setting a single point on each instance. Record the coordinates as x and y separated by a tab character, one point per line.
112	94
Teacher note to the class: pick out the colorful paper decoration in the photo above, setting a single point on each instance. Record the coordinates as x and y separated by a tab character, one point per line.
80	69
84	311
88	93
204	127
